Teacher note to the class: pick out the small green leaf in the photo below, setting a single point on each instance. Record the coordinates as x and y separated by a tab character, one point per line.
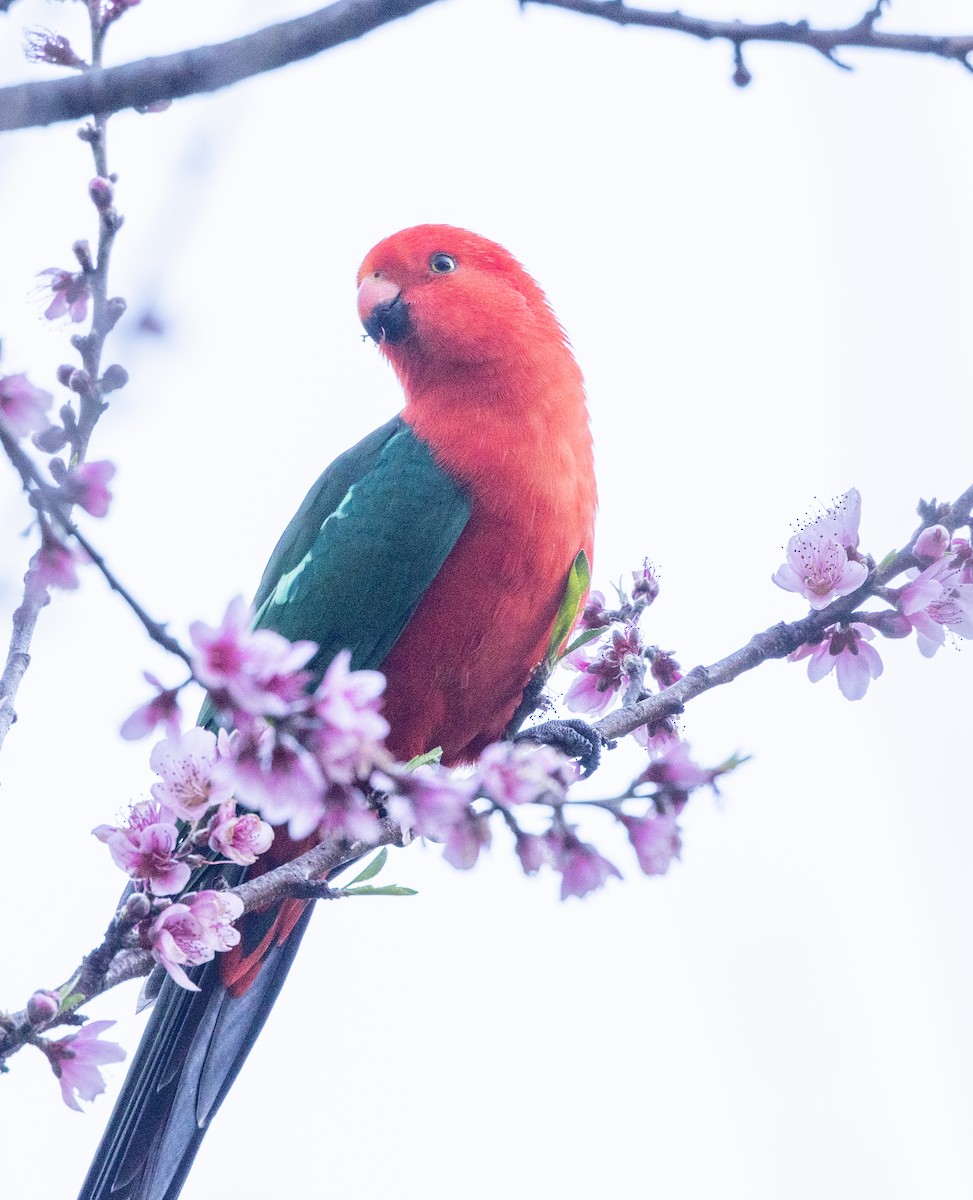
390	889
424	760
583	639
887	560
373	868
579	580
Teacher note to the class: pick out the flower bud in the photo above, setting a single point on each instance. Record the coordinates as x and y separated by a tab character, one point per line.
932	542
42	1007
137	908
101	192
741	76
68	418
51	439
115	377
80	382
890	624
82	252
64	373
58	469
114	308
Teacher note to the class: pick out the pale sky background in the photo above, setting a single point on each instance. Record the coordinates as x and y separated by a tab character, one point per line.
769	293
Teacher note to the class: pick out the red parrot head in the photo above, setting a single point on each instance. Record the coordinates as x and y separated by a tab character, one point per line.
436	298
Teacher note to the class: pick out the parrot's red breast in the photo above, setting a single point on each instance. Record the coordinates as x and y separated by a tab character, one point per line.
492	386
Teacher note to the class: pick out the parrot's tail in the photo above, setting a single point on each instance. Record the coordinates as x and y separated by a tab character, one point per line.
192	1050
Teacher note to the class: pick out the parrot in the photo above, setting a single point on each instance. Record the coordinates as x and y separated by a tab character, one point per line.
436	550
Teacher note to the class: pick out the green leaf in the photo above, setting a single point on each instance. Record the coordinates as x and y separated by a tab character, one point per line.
887	561
373	868
579	580
390	889
424	760
69	998
583	639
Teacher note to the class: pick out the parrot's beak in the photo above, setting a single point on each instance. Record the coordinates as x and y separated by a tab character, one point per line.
382	310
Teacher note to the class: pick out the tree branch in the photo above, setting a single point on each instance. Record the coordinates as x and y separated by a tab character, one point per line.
861	35
204	69
120	958
46	499
782	639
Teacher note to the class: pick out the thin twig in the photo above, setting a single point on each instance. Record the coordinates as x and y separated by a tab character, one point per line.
861	35
45	497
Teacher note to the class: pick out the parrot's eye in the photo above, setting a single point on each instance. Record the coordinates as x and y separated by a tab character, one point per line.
442	264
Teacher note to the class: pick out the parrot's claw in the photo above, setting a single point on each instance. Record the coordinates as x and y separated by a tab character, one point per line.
573	737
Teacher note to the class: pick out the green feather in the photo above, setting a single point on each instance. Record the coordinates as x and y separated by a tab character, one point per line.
370	537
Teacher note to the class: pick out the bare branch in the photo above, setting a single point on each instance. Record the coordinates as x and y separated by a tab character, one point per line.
204	69
862	34
18	654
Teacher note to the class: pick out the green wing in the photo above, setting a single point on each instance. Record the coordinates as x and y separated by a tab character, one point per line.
370	537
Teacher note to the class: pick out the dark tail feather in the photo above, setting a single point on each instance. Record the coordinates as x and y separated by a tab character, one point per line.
192	1050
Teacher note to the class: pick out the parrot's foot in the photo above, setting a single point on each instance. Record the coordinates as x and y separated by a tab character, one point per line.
574	737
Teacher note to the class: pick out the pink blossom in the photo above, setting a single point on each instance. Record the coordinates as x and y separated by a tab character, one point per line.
962	560
645	584
581	867
822	563
176	940
70	294
189	934
818	567
933	542
840	521
145	848
24	407
658	736
162	709
656	841
937	599
349	741
87	485
54	564
429	801
845	649
275	775
594	615
923	589
75	1060
466	839
239	837
519	773
663	667
533	852
605	667
186	766
674	771
348	814
259	670
216	913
